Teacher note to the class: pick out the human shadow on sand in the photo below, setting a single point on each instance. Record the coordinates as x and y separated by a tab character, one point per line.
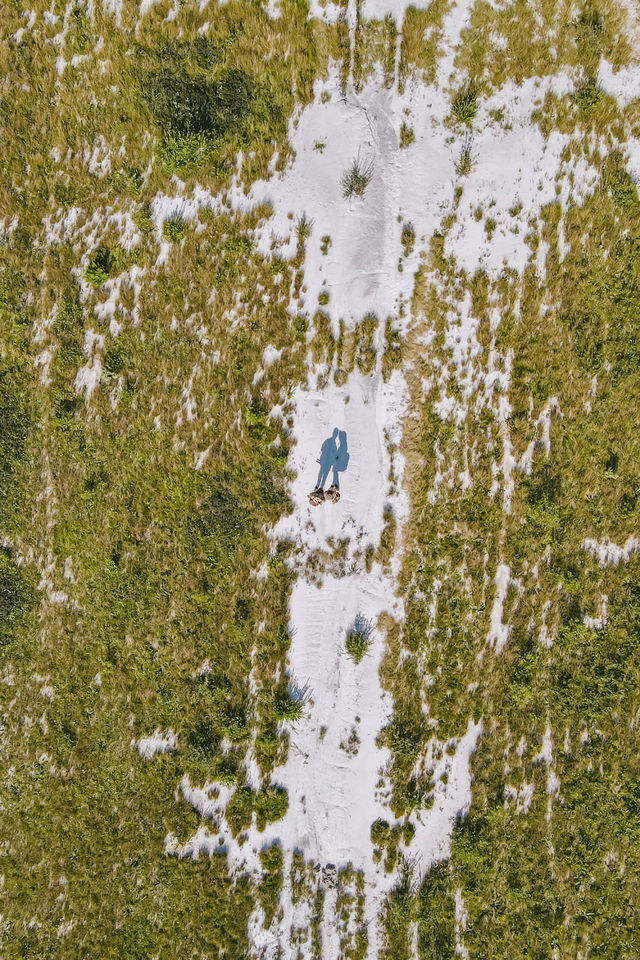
334	458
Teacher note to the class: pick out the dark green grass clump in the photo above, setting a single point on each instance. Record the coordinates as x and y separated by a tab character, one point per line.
359	638
465	104
199	115
356	179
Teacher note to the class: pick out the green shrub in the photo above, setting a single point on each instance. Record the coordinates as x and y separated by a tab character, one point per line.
79	27
239	811
181	154
233	724
379	832
266	747
391	360
142	219
359	638
323	298
289	708
407	136
174	228
256	417
356	179
220	521
270	805
615	178
95	275
227	771
436	912
113	360
278	267
103	262
204	739
465	104
271	858
271	880
304	227
589	34
238	246
408	238
198	114
14	421
184	105
366	353
587	95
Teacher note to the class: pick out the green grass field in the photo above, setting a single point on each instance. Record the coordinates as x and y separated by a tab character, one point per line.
141	473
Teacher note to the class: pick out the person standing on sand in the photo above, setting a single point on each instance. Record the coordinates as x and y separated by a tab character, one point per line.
334	457
327	459
339	466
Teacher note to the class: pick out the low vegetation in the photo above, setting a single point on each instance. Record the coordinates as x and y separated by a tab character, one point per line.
358	638
356	179
465	104
544	837
173	229
141	472
407	136
130	526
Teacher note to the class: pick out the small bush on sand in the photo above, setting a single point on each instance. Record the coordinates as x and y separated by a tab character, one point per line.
290	706
465	160
490	226
407	136
356	179
289	709
359	638
408	238
465	104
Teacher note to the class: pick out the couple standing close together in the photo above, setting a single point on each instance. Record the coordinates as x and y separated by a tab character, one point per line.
334	458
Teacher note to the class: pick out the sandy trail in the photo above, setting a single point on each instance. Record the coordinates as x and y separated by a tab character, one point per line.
334	786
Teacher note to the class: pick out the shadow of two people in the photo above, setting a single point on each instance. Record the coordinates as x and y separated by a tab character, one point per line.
334	456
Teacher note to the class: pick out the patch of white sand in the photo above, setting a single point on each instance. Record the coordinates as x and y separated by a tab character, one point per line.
611	554
513	168
88	376
157	743
498	630
623	84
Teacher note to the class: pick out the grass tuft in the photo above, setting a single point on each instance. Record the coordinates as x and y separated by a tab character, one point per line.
356	179
407	136
465	104
587	95
408	238
359	638
465	160
99	267
290	706
174	229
